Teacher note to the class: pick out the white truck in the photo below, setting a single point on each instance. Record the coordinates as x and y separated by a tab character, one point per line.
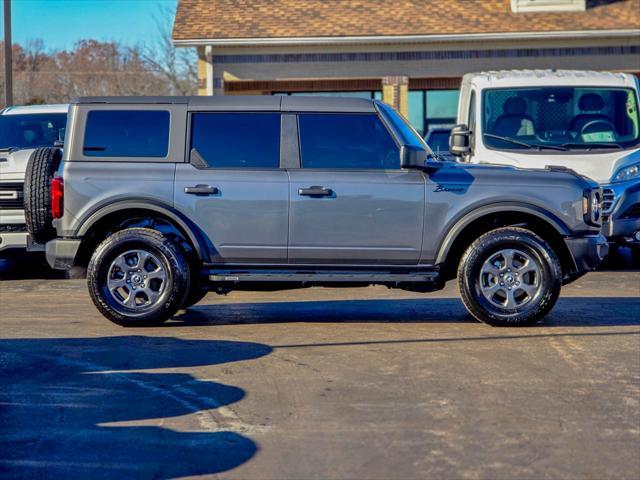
22	130
583	120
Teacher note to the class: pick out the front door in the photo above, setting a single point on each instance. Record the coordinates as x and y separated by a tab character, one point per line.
351	204
234	189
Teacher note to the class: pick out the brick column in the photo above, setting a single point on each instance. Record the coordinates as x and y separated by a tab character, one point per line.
395	92
205	71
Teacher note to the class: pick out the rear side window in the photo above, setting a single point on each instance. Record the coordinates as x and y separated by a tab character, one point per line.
357	141
126	133
237	140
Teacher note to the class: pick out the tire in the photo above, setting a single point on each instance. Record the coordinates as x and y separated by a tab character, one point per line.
196	293
635	256
503	301
42	165
162	279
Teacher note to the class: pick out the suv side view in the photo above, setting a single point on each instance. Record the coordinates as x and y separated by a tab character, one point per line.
167	198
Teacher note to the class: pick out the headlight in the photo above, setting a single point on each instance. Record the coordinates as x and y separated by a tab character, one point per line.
627	173
592	206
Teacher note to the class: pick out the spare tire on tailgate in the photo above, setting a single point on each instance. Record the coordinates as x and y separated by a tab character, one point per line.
37	192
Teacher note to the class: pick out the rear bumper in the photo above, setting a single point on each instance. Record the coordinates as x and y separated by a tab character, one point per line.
587	252
61	253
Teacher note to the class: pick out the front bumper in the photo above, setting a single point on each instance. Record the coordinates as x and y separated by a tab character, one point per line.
13	240
621	212
61	253
587	253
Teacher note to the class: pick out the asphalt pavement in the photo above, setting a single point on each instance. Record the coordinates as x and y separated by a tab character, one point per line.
320	383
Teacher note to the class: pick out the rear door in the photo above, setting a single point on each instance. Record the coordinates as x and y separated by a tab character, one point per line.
233	188
350	201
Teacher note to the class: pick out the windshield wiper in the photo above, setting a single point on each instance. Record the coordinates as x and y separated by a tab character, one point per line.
589	146
534	146
436	156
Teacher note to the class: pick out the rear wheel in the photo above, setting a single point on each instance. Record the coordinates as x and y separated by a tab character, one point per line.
138	277
509	277
196	293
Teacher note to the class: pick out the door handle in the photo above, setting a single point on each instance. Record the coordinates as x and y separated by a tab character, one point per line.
201	190
315	191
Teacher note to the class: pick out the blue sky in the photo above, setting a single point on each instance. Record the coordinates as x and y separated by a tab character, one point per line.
60	23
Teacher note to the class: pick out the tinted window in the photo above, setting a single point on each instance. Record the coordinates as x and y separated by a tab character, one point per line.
346	141
126	133
31	130
237	140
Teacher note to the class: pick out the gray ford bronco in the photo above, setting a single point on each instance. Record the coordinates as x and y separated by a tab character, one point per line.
164	199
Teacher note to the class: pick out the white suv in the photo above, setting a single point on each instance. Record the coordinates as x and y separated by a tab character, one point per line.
22	129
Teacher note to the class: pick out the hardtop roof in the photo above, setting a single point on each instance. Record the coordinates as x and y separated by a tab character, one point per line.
244	103
35	109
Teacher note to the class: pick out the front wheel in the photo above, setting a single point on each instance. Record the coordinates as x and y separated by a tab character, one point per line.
509	277
138	277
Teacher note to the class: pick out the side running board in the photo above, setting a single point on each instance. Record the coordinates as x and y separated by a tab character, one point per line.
322	277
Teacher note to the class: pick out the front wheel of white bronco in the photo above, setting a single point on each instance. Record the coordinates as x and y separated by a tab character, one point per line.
509	277
138	277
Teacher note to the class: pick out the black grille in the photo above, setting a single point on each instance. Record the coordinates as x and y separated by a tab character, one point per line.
608	199
11	196
633	211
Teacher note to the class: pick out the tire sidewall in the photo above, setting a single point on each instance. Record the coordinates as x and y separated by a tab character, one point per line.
533	310
175	289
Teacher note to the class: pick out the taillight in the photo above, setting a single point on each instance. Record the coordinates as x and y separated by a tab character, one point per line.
57	197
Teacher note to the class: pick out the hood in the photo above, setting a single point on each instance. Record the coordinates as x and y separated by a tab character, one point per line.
14	162
599	166
499	174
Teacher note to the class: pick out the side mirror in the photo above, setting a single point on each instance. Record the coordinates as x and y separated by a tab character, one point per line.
412	157
460	140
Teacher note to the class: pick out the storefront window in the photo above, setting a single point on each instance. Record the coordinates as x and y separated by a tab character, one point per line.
416	110
432	108
442	107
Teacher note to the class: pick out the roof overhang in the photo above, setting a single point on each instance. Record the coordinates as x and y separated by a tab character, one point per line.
400	39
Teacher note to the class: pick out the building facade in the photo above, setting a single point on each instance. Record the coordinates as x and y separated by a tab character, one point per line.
410	53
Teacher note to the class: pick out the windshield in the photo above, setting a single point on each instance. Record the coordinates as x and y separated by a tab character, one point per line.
31	130
560	118
403	128
438	140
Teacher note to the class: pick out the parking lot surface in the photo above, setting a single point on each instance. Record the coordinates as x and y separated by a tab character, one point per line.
317	383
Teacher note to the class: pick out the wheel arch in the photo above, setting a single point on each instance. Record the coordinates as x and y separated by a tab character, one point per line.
115	216
468	228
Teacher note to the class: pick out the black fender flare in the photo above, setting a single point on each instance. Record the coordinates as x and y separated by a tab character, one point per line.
460	223
195	236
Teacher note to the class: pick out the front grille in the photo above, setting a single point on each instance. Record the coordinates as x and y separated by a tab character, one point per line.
13	228
632	212
11	196
608	200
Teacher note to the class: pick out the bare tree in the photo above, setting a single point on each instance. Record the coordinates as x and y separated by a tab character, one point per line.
96	68
178	66
92	67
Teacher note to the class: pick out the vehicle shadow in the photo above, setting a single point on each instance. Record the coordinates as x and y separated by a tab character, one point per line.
60	396
21	266
569	311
